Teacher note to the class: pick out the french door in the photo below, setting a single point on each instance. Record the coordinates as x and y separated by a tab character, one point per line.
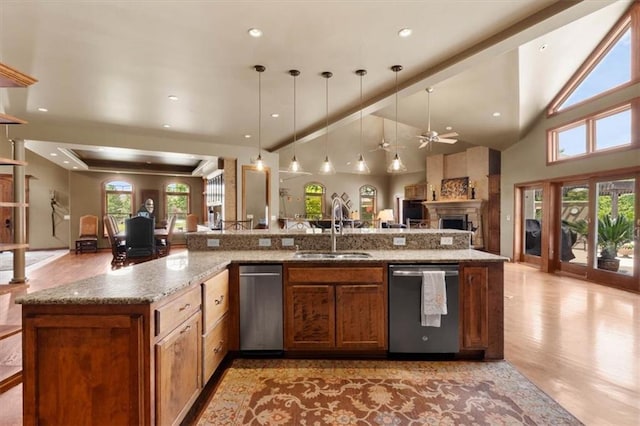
587	226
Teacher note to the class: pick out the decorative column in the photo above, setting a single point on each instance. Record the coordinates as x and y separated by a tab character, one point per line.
19	214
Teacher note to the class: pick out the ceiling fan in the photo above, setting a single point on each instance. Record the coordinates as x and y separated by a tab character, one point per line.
384	144
431	136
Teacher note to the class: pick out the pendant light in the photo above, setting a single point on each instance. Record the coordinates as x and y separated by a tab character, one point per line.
259	162
294	166
396	165
361	165
327	168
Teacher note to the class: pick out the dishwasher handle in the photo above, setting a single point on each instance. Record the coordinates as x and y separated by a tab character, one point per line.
260	274
413	273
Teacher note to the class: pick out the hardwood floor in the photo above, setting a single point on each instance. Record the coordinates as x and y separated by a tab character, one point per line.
579	342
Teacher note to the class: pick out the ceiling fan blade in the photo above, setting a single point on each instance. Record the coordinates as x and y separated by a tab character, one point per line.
448	135
446	140
423	144
423	137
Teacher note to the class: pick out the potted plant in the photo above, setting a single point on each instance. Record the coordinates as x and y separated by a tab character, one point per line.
612	233
626	249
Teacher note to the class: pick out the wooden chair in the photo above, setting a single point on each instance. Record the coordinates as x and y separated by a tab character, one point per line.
88	239
163	245
237	224
418	223
118	248
140	239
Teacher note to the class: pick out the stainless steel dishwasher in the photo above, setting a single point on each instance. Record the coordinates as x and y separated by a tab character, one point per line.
261	325
406	334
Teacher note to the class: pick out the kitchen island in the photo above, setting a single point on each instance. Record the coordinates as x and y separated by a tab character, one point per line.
138	344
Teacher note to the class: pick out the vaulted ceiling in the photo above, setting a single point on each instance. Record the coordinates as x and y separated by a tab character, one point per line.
108	68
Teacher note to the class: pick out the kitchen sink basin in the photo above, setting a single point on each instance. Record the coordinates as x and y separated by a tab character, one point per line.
330	255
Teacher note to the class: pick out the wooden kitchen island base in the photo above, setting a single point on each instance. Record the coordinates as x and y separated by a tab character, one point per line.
139	349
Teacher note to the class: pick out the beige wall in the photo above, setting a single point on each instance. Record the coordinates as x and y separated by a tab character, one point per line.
526	160
338	183
46	176
86	195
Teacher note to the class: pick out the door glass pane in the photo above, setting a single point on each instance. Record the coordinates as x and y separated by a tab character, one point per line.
532	216
616	215
574	214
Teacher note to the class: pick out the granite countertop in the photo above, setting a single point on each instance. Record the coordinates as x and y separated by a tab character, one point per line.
151	281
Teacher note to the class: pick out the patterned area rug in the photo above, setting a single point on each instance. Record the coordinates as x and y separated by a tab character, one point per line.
336	392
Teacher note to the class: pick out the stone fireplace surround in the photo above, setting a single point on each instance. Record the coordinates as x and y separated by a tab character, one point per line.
471	209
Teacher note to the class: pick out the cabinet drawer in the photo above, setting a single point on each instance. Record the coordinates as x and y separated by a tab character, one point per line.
214	348
175	312
336	275
215	300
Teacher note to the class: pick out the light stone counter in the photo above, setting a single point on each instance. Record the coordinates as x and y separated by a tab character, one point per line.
151	281
351	239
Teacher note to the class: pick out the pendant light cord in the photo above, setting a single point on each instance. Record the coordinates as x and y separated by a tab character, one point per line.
294	115
259	113
397	112
361	75
326	135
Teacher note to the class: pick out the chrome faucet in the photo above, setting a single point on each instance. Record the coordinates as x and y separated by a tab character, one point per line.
336	202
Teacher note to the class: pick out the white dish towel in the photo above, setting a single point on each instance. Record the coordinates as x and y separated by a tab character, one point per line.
434	298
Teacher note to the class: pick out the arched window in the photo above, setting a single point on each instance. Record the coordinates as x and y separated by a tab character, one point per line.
314	200
368	202
178	203
118	200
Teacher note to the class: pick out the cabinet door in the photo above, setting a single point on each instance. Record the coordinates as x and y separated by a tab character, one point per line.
360	317
310	316
178	364
475	309
90	361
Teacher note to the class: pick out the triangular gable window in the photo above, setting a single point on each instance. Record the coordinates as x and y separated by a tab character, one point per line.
608	67
613	70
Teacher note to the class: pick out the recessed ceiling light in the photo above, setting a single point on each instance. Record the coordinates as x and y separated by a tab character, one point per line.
66	162
75	167
247	136
166	126
53	154
496	114
255	32
448	128
173	97
405	32
543	47
43	109
275	115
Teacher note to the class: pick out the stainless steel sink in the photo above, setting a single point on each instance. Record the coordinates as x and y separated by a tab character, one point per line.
330	255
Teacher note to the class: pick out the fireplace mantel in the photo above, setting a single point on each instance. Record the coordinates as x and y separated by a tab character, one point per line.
472	209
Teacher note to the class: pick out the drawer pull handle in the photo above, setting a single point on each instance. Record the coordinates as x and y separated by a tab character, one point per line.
184	330
219	348
219	301
187	306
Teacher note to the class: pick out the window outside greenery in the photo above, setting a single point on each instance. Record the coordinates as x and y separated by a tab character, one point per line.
119	201
313	200
177	203
367	203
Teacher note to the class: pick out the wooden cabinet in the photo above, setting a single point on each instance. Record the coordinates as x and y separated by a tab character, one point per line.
178	376
335	308
482	308
215	330
122	364
418	191
84	368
